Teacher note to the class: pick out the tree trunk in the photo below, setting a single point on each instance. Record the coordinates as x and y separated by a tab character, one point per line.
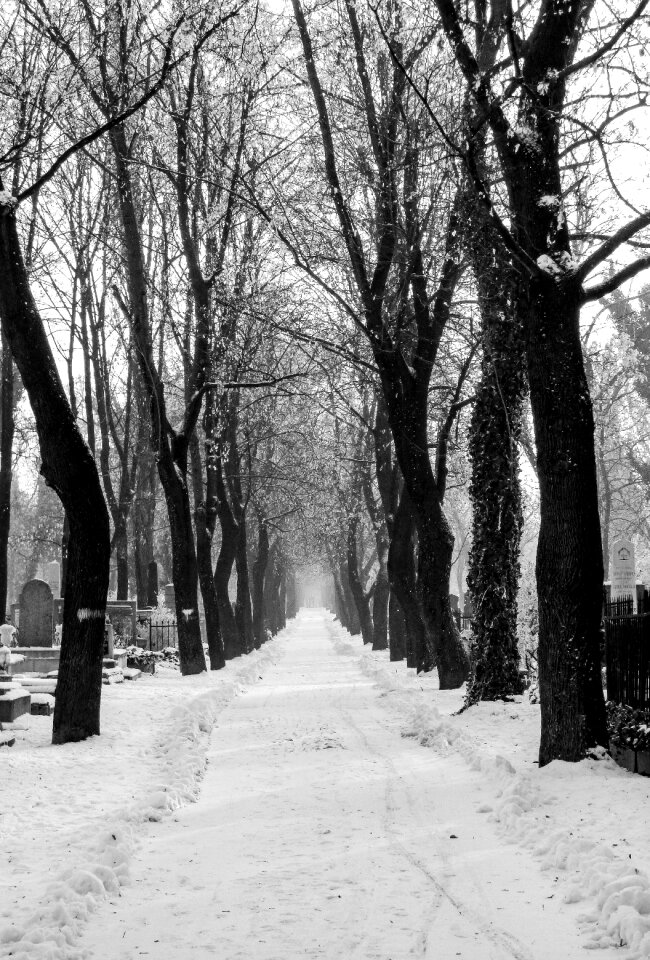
282	599
291	594
359	595
243	609
152	584
120	543
223	570
184	567
144	510
396	629
6	465
495	490
273	592
401	570
407	411
354	623
171	448
569	553
204	525
259	573
65	546
70	470
380	598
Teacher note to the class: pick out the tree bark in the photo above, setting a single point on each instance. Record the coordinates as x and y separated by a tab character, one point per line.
259	573
569	554
6	465
243	609
144	512
401	570
291	594
396	629
361	600
223	570
70	470
380	598
204	523
121	546
495	489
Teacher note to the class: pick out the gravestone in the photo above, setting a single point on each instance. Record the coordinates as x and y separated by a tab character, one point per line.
453	601
623	577
152	584
170	597
36	615
468	609
53	577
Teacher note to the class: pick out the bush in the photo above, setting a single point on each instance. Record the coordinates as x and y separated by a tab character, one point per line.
628	727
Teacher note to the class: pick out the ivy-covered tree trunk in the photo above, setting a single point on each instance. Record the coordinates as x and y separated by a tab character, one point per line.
495	489
69	468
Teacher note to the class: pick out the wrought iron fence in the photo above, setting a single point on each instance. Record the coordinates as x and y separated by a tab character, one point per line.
627	655
623	607
162	634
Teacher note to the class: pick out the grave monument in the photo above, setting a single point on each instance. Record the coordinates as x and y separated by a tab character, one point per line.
623	568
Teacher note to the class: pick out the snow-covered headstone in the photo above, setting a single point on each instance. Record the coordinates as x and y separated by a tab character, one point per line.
623	571
170	596
36	615
53	577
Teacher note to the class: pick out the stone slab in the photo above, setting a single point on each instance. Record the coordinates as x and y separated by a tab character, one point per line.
112	676
39	709
13	704
39	686
131	673
7	738
37	659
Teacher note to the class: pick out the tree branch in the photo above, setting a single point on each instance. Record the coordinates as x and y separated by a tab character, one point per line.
612	243
613	282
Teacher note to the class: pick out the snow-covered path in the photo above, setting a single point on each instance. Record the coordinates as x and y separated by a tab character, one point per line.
321	832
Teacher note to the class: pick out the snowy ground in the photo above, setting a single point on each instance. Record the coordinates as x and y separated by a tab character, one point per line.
343	814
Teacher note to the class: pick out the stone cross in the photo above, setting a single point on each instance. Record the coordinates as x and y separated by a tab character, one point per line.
36	615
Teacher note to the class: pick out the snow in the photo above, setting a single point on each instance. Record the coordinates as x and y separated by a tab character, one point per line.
7	200
587	823
71	815
314	800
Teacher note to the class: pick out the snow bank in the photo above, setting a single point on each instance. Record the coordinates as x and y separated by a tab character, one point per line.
97	856
587	822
